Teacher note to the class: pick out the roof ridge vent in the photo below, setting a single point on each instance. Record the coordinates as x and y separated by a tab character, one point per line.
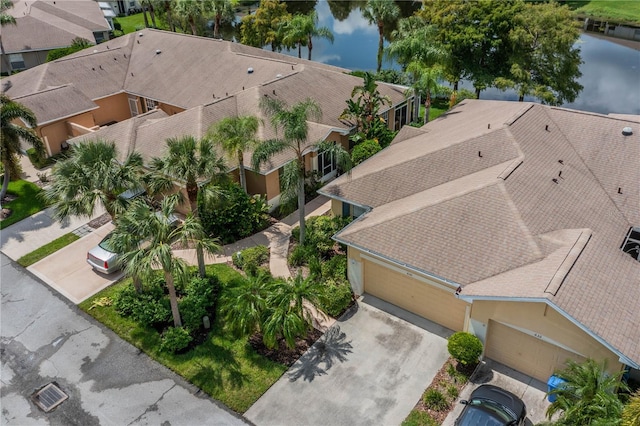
627	131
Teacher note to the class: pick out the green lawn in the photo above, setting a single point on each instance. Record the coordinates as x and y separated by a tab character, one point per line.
27	203
135	22
225	368
47	249
620	11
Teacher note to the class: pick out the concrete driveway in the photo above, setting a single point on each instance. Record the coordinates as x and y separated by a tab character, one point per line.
68	272
531	391
369	368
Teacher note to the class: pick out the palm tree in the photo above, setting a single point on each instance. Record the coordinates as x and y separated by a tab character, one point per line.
301	29
367	104
237	135
6	19
287	316
588	395
192	162
427	80
244	303
191	11
222	10
12	134
143	240
91	176
381	13
415	40
293	123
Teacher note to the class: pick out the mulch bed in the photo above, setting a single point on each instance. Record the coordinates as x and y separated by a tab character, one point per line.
441	381
99	221
282	354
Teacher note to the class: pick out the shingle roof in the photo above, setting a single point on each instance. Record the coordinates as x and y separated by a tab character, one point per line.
45	25
537	215
56	103
190	72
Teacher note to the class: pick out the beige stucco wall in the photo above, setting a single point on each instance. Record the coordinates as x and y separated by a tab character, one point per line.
336	207
112	108
272	184
170	109
544	322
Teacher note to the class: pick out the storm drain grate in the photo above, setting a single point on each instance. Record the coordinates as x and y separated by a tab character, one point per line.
49	397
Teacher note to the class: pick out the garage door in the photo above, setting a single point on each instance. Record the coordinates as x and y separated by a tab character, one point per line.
525	353
415	296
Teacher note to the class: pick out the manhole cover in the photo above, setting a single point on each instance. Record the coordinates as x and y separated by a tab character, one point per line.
49	397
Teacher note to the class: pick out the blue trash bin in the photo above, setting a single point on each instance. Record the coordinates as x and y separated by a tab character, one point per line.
553	383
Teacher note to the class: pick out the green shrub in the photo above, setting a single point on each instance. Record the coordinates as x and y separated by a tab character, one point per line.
335	268
117	25
435	400
335	297
175	339
147	308
364	150
320	230
465	347
38	161
457	376
199	301
235	215
251	259
300	255
452	391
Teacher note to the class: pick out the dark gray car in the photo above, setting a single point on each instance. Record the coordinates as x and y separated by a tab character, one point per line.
492	406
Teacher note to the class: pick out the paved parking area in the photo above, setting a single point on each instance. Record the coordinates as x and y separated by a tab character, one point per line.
109	382
369	368
68	272
531	391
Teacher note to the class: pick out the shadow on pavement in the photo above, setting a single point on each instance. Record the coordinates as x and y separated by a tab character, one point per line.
331	347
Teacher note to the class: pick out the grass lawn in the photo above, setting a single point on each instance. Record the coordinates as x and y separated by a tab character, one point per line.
27	203
46	250
438	107
622	11
134	22
226	368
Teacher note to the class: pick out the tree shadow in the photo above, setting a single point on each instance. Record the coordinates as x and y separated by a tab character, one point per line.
208	373
331	347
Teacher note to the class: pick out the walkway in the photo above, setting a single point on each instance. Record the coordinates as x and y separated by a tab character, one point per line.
31	233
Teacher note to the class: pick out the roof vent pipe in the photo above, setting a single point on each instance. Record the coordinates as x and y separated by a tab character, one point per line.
489	126
546	127
619	190
627	131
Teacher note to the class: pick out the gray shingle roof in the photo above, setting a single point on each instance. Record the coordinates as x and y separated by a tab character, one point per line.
499	224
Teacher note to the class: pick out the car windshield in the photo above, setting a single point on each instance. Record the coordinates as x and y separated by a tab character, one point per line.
104	244
487	412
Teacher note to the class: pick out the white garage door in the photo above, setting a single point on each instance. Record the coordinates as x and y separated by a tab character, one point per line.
430	302
525	353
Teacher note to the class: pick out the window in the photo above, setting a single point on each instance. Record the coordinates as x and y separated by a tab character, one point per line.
150	104
326	163
401	116
17	61
631	244
385	116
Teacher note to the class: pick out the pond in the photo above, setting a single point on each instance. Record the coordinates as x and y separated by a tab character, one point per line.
610	71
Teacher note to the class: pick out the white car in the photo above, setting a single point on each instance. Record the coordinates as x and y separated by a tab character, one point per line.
103	259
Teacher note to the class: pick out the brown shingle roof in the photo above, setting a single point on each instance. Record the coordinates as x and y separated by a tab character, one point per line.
57	103
549	227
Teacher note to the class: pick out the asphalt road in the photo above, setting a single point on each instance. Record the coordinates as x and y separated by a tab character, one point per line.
45	338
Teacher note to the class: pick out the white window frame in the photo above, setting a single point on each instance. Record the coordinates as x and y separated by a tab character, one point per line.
150	104
326	171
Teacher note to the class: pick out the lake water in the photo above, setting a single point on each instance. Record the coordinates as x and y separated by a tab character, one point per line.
610	72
